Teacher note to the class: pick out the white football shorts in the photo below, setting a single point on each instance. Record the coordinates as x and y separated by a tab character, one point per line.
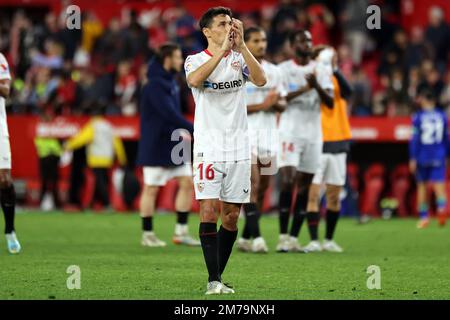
159	176
299	153
264	143
5	153
332	169
227	181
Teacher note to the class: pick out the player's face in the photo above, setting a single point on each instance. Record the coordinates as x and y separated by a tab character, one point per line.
425	103
176	60
257	44
219	28
302	44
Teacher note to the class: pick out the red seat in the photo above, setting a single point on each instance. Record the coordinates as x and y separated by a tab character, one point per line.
353	176
401	184
87	192
374	184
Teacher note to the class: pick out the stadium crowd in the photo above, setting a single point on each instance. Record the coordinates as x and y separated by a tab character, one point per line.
74	72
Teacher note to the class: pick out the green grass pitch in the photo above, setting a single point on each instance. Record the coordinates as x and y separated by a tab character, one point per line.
414	263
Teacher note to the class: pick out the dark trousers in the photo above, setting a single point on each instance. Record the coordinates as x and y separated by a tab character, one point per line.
101	186
49	172
77	176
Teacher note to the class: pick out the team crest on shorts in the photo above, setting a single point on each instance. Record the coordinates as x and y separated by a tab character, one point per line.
200	186
236	65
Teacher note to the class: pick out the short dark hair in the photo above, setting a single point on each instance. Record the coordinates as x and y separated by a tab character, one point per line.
294	35
427	93
249	31
166	50
208	16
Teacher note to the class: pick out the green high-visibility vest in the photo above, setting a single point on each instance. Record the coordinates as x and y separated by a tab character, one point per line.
48	146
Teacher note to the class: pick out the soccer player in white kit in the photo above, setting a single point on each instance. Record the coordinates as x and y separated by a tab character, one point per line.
308	84
221	163
263	103
7	192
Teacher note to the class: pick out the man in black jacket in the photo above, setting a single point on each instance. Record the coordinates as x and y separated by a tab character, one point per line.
161	121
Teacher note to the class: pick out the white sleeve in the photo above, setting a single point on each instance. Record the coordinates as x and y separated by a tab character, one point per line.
191	64
4	68
324	78
284	79
281	83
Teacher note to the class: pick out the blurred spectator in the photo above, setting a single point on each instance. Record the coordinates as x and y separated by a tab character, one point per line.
433	82
110	45
397	94
92	29
284	21
48	30
135	38
142	81
390	17
86	96
62	98
445	96
394	54
125	88
157	32
68	38
345	60
413	83
360	99
20	42
354	24
438	35
417	50
100	66
320	22
36	90
51	58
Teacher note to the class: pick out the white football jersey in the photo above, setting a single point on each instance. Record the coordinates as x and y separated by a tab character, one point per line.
220	124
264	120
302	118
4	74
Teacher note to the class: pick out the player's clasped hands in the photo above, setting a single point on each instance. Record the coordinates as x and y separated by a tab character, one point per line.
235	37
312	80
228	42
237	28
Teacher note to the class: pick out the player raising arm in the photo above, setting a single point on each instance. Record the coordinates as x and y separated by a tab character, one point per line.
309	85
233	40
221	163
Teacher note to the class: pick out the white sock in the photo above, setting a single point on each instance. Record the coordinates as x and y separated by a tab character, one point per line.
11	236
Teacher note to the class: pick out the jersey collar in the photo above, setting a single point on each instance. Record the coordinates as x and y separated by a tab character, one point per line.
210	54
